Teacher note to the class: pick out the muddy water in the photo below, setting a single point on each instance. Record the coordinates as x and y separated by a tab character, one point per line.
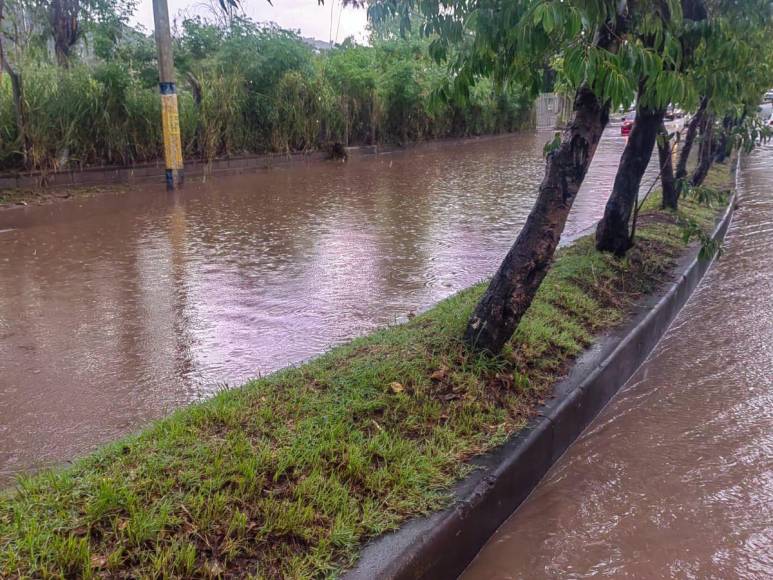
117	309
675	478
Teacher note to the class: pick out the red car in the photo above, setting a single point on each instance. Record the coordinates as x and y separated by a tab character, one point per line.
625	128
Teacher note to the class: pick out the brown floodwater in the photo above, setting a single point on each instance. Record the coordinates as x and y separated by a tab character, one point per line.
675	478
116	309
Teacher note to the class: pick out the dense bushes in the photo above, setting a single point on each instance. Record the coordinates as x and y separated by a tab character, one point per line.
244	89
81	116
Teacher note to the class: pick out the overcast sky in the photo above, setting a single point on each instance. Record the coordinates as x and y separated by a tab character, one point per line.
304	15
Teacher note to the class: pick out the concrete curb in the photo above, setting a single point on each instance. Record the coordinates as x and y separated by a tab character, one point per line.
197	169
443	544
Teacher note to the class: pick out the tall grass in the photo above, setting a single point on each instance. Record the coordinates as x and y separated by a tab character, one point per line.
9	151
221	116
298	113
81	116
243	90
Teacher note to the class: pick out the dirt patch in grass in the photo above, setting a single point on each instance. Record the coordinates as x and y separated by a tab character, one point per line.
287	476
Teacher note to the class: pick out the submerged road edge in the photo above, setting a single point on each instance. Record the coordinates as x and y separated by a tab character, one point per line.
104	175
442	544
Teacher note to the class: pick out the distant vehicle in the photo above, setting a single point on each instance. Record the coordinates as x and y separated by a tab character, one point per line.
768	98
673	113
625	128
623	115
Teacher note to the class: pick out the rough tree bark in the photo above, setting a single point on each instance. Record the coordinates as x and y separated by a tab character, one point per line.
518	278
17	92
706	152
612	232
195	84
667	181
516	281
689	139
691	10
63	18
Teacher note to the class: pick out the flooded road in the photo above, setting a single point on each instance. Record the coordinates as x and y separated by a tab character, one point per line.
675	478
117	309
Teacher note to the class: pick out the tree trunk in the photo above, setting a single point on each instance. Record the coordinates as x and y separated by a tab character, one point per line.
696	11
514	285
668	183
689	139
518	278
612	232
706	153
17	92
195	88
63	17
723	144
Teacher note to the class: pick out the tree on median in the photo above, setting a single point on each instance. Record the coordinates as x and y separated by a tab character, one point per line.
513	39
697	48
660	56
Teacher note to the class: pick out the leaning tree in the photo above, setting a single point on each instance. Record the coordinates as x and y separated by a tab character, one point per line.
609	51
730	64
734	68
513	39
708	57
667	36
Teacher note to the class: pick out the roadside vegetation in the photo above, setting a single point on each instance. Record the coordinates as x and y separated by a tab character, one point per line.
243	88
290	474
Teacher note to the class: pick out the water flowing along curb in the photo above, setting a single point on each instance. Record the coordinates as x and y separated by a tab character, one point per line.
443	544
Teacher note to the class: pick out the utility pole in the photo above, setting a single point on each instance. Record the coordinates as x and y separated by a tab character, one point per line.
170	117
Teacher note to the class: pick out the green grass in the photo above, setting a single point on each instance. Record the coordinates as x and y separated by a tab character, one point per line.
290	474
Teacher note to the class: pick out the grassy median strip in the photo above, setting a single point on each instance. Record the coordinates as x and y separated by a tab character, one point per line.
290	474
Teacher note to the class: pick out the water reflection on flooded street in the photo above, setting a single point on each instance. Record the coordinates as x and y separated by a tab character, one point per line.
117	309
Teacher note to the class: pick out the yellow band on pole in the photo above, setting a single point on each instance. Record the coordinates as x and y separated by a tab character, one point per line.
170	118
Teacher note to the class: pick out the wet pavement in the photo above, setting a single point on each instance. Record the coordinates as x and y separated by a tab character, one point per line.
675	478
117	309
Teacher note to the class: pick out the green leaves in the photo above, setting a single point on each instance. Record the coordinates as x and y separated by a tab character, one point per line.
692	230
559	17
672	52
606	73
666	87
504	40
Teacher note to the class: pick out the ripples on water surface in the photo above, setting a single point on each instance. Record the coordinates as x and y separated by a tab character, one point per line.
117	309
675	478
